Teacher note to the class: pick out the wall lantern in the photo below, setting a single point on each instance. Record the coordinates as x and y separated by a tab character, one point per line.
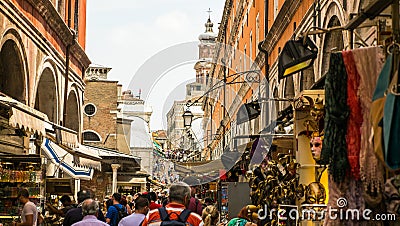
247	112
187	118
296	55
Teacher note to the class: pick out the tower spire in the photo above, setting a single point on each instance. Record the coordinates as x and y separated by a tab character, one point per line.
209	25
209	13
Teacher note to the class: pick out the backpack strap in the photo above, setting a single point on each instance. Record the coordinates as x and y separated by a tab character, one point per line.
117	208
141	223
184	215
163	214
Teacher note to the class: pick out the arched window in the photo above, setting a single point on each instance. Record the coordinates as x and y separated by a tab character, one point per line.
91	136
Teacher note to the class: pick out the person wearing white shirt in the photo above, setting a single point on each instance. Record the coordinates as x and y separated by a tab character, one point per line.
136	219
29	212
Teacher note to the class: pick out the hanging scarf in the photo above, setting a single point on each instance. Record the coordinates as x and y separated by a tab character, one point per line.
369	62
334	151
391	124
353	135
350	190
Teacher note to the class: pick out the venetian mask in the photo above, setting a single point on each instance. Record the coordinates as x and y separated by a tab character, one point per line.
315	193
316	147
317	111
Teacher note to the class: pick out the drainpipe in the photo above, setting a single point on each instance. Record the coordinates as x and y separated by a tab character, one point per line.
67	53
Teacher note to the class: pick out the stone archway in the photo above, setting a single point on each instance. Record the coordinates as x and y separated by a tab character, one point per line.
73	116
12	75
46	95
333	42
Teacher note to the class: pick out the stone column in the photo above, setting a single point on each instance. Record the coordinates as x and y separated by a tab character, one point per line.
115	168
77	188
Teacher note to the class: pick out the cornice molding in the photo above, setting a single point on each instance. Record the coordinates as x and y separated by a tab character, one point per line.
58	25
53	19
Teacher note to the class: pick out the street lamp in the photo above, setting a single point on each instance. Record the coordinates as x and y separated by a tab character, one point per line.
252	76
187	118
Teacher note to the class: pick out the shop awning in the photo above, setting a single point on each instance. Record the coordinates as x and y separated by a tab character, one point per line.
87	152
24	117
133	180
158	150
108	154
156	183
67	162
64	135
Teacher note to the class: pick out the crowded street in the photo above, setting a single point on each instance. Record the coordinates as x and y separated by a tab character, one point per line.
199	113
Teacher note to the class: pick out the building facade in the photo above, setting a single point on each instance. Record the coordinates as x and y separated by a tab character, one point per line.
42	65
187	144
141	144
47	76
107	132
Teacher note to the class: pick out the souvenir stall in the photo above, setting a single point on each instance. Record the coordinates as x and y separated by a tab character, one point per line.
345	170
18	172
21	166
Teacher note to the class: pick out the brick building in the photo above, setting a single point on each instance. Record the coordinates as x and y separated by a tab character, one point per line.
107	132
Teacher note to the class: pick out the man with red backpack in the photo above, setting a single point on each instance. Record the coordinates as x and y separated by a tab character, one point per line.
175	213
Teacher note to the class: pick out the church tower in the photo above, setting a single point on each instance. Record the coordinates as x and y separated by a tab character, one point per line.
206	52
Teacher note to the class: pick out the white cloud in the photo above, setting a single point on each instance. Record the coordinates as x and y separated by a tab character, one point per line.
172	21
123	34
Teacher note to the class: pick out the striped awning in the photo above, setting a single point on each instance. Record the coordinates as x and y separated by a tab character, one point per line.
25	117
66	161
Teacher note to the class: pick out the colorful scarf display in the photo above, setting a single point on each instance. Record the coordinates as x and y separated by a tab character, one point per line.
353	135
334	149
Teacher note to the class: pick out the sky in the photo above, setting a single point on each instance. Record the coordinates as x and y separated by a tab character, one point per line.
150	45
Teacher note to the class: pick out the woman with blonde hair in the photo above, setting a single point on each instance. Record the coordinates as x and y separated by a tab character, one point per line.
210	216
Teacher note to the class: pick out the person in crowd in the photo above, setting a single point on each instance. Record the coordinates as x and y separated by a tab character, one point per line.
124	203
109	202
210	215
195	204
141	209
207	202
243	219
164	198
112	212
67	205
75	214
90	210
179	197
29	212
152	199
131	203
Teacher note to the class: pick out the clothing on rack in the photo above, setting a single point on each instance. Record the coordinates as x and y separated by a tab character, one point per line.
369	62
353	134
391	124
334	150
381	142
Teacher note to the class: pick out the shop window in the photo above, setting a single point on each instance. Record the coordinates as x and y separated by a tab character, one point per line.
91	136
90	110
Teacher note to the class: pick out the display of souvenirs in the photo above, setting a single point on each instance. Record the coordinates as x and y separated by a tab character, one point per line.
7	175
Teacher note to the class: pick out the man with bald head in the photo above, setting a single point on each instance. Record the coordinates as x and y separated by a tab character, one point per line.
89	211
75	214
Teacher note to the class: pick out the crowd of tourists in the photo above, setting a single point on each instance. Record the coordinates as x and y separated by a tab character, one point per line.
178	206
